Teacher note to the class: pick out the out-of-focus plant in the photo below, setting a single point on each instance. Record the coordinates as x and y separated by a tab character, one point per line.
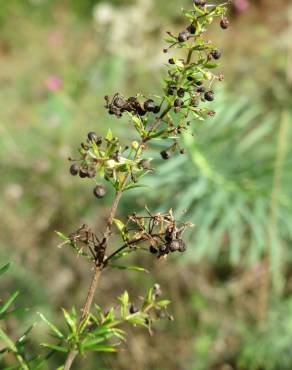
234	177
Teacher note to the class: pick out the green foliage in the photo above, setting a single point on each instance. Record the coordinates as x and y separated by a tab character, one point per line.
269	346
226	181
101	332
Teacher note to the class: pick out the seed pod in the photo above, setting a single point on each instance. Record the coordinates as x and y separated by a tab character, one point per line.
181	92
224	24
200	2
191	29
99	191
174	245
163	250
183	36
149	105
74	169
168	235
165	154
209	95
201	89
92	136
156	109
119	102
83	173
216	54
182	246
133	309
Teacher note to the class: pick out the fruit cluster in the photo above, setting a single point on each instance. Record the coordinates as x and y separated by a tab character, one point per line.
161	231
118	105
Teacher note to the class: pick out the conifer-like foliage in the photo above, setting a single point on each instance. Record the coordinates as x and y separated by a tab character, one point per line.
187	88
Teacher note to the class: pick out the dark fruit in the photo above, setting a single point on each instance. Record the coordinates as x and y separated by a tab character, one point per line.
156	109
200	2
165	154
92	136
209	95
149	105
99	191
133	309
174	245
192	29
224	24
181	92
74	169
152	249
83	173
201	89
171	61
183	36
177	103
216	54
163	249
182	246
119	102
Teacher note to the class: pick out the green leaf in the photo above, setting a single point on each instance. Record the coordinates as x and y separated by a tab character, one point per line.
51	326
120	225
124	299
130	268
55	348
17	312
6	305
4	268
70	320
133	186
163	303
62	236
109	135
99	348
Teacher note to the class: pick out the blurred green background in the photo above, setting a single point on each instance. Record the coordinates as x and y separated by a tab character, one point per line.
231	292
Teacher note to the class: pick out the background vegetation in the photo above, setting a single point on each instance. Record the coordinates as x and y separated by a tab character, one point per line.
231	295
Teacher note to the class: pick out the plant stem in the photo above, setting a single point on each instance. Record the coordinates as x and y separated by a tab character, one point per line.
97	271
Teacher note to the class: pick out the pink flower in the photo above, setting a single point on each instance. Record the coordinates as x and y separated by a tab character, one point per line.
54	83
241	5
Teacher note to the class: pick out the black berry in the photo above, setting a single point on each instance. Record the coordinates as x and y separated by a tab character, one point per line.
83	173
74	169
200	2
224	24
133	309
209	95
149	105
216	53
156	109
152	249
171	61
99	191
192	29
177	103
201	89
165	154
181	92
119	102
183	36
92	136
